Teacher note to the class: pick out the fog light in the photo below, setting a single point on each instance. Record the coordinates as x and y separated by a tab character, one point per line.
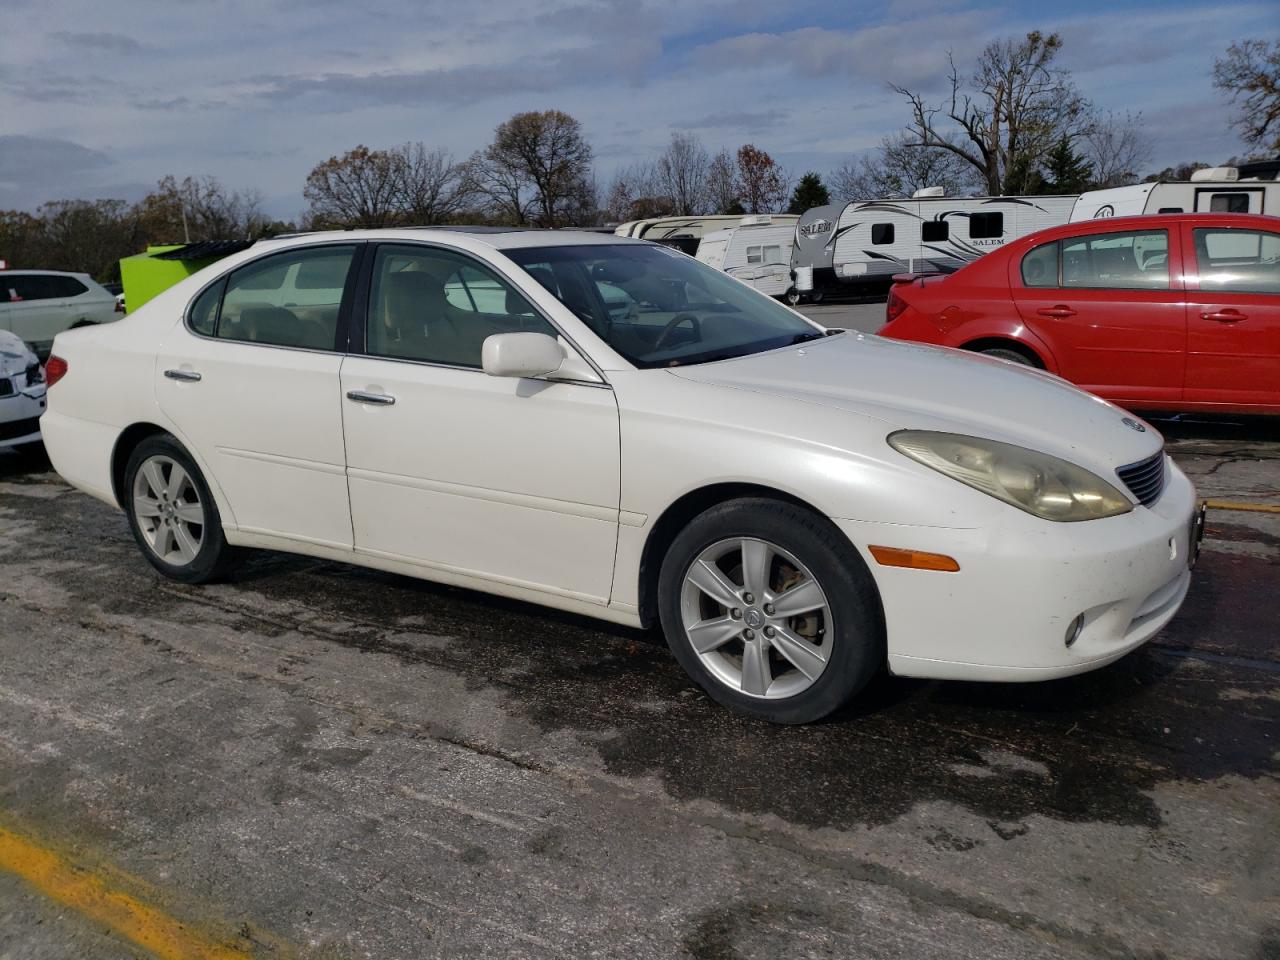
1073	631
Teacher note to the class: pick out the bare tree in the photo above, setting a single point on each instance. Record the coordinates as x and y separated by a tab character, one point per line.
1008	115
1250	76
198	209
763	183
724	192
683	171
358	189
898	169
1118	147
429	187
636	192
537	168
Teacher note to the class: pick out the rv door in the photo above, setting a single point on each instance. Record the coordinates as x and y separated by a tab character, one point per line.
1231	199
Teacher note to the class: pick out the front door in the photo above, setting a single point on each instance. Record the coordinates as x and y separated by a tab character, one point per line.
1113	311
1233	316
252	378
507	480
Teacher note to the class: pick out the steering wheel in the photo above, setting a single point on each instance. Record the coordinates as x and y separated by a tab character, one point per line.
674	322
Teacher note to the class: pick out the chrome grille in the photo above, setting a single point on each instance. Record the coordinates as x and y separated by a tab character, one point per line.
1145	479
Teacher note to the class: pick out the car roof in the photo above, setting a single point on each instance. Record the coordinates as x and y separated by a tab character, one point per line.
1162	219
500	238
45	273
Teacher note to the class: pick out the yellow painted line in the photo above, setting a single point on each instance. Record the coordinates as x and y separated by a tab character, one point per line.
99	896
1245	507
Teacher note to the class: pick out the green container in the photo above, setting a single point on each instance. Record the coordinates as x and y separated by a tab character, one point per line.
144	277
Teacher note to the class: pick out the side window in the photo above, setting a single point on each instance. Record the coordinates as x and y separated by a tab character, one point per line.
1040	266
28	286
754	255
1229	203
985	225
1246	261
881	233
203	318
1169	210
287	300
1117	261
935	231
773	254
438	306
67	287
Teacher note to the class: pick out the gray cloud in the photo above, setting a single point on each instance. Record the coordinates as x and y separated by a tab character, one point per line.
102	41
746	121
36	161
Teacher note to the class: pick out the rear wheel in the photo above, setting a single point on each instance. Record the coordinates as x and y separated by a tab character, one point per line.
771	610
794	296
172	514
1013	355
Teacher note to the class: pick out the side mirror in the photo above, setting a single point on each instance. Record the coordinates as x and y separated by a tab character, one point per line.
521	355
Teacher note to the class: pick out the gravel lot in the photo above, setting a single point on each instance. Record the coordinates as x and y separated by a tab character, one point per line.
318	761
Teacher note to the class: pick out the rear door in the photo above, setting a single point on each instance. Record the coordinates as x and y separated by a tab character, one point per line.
1233	315
1111	310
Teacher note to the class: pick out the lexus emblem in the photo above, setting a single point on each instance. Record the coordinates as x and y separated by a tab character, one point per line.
1133	424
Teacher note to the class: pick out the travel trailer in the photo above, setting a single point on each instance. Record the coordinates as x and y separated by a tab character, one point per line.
1212	190
685	233
757	251
868	240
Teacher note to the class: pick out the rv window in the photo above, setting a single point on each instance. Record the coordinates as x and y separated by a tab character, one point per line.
1246	261
935	231
1169	210
1117	261
1040	266
773	254
983	225
1229	203
753	254
881	233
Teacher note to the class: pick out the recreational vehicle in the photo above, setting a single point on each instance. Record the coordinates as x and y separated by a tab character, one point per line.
684	233
756	251
1212	190
868	240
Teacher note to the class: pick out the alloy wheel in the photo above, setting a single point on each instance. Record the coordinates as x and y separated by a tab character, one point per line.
757	618
168	510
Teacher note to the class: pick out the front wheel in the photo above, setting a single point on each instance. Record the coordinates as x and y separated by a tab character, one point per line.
172	514
771	610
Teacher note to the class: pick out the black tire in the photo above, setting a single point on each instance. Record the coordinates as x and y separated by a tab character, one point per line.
1012	354
794	296
83	323
857	649
215	555
816	295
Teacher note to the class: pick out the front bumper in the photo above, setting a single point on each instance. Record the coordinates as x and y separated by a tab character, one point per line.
19	416
1006	614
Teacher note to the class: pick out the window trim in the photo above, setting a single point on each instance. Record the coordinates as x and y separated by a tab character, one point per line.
985	214
882	228
946	229
341	333
358	327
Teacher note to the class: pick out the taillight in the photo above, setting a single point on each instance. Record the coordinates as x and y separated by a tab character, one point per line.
119	306
894	306
54	370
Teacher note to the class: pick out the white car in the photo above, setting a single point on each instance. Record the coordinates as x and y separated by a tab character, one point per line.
629	434
39	304
22	393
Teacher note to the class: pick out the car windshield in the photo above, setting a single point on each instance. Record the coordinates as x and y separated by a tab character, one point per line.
660	308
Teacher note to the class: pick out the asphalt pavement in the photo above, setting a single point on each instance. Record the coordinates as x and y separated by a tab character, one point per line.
314	760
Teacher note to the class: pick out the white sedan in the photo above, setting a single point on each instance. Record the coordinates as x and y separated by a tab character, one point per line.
22	393
612	428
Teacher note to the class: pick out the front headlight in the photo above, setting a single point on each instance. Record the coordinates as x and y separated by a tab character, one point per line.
1035	482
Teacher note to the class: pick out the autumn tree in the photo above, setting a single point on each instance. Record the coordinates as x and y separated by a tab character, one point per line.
1007	116
1249	75
537	169
198	208
724	191
682	170
762	182
898	169
809	192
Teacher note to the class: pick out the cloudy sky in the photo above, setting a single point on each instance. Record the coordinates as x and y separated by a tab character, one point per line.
103	98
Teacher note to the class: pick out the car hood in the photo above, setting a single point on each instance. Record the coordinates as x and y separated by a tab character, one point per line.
912	386
15	357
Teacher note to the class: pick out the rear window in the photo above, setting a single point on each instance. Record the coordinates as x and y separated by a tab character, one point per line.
1040	266
1229	203
67	286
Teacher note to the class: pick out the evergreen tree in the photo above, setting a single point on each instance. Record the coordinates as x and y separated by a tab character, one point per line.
1066	171
809	192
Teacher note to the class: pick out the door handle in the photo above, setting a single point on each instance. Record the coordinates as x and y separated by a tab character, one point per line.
361	396
1058	311
1225	316
186	376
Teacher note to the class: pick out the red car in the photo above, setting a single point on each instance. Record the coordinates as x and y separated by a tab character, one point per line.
1165	312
